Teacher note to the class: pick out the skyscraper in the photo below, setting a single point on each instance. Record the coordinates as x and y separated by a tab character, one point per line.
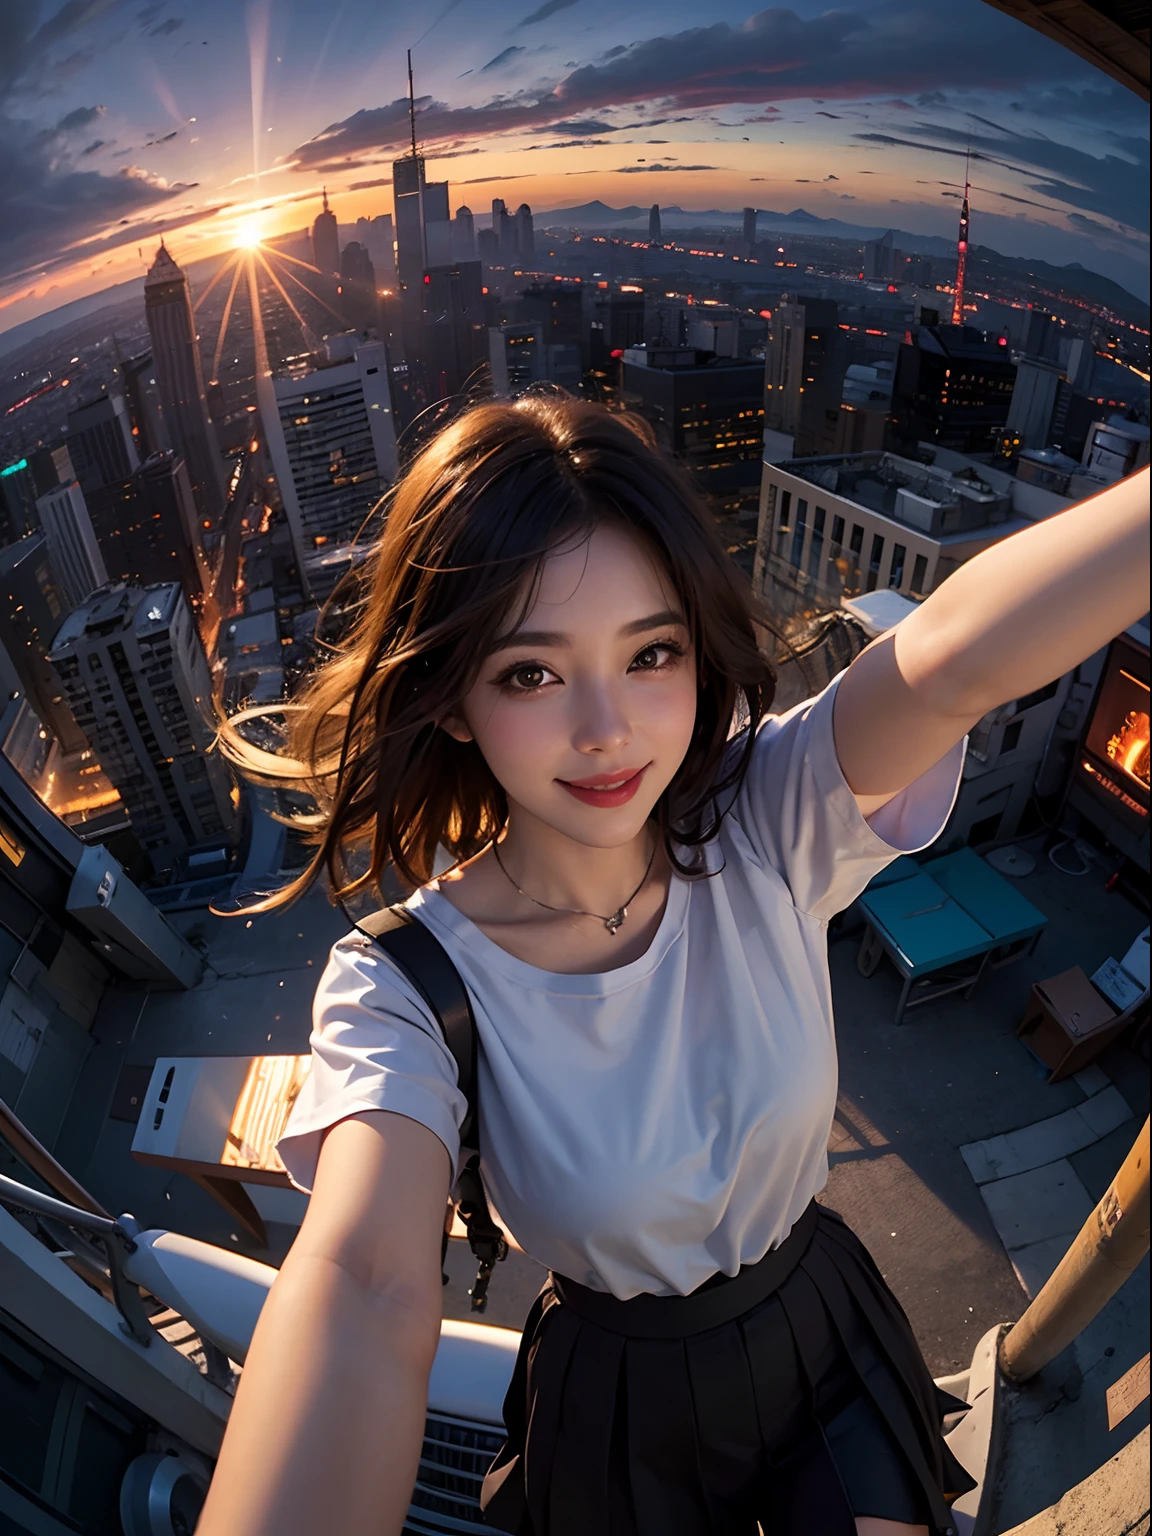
505	226
454	340
31	608
961	256
464	235
381	247
339	454
180	382
407	197
325	241
101	443
749	228
72	546
525	233
804	366
655	236
134	671
437	224
147	526
17	501
358	287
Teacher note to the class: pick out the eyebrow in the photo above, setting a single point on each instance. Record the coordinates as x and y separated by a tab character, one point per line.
555	637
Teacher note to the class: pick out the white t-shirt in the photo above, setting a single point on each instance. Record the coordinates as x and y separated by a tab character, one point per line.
652	1125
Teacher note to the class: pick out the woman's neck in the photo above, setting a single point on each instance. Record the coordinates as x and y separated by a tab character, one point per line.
558	872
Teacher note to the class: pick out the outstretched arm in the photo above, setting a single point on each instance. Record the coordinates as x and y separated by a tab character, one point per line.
1011	619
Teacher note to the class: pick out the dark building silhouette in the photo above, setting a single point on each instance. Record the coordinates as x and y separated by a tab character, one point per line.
749	228
709	411
454	336
101	443
325	241
464	235
51	467
358	287
408	198
558	308
147	526
525	232
143	396
17	501
655	236
180	382
804	366
953	387
617	321
32	606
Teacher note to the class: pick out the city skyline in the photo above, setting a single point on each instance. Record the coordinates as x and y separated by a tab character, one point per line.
124	122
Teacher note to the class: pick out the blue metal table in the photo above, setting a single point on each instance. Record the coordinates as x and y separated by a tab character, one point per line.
993	901
923	930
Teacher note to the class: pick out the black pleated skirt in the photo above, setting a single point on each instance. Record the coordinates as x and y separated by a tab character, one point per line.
792	1395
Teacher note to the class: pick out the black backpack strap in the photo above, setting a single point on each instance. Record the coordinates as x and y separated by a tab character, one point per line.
418	953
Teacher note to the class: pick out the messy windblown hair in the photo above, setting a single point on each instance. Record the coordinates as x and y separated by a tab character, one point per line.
455	568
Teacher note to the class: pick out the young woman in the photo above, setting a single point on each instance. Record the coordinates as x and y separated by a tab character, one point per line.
547	681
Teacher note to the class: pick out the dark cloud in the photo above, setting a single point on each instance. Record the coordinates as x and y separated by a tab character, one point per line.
1109	185
640	170
549	8
377	181
588	125
773	56
148	15
501	58
166	28
94	146
81	117
835	115
1109	236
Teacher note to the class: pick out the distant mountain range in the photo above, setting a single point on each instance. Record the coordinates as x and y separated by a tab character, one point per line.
599	216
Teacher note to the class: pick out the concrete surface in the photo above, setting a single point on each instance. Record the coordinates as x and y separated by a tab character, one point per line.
1113	1501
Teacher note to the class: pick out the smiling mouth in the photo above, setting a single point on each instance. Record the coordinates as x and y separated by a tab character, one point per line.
606	790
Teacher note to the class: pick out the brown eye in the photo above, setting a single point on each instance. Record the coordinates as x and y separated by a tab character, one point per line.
529	677
649	658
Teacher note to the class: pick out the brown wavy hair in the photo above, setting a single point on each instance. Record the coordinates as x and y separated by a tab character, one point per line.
455	568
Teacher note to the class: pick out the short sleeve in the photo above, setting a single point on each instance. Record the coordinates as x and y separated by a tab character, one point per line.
797	811
374	1046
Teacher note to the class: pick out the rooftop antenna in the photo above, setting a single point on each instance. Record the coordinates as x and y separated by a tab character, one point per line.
324	194
411	104
962	247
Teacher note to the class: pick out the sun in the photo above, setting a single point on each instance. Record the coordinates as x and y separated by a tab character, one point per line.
248	236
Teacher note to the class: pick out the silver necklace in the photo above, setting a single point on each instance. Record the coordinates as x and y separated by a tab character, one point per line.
612	923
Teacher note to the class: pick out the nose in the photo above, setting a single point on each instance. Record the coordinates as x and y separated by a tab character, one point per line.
601	723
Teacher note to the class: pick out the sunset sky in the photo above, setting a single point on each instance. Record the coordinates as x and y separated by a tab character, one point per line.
120	118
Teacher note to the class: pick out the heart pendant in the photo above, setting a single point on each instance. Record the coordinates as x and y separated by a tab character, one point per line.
616	920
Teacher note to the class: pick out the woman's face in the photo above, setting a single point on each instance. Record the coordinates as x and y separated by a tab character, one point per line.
586	711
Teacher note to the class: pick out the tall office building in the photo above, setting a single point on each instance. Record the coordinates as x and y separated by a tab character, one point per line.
101	443
881	259
32	605
804	366
1032	408
953	387
464	235
454	338
616	322
143	396
134	671
437	224
339	447
749	229
655	235
358	287
72	546
380	244
707	411
516	356
17	501
148	528
504	224
325	241
525	232
180	382
408	199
